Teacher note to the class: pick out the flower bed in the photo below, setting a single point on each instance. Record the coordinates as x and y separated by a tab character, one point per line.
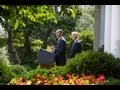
69	79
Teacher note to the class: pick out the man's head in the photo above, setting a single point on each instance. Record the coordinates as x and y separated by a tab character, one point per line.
59	33
74	35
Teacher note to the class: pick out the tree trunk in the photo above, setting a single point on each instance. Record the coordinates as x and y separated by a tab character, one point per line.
27	45
45	40
14	58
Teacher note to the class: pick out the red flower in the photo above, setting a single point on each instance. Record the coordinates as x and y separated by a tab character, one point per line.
60	78
101	77
68	75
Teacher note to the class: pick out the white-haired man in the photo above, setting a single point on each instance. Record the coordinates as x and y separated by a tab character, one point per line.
60	48
76	46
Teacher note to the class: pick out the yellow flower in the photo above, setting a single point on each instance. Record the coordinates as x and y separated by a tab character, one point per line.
74	78
87	82
71	81
13	81
55	83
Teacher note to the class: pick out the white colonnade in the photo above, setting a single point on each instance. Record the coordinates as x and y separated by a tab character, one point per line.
107	28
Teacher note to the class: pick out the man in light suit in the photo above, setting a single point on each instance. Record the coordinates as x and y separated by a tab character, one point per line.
76	46
60	48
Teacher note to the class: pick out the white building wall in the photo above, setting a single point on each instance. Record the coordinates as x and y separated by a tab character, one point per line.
115	30
112	30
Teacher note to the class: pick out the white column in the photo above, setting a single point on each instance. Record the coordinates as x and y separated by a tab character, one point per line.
107	33
102	23
96	42
99	26
115	31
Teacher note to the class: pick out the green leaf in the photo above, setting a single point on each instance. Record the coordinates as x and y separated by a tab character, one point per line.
72	13
16	25
20	11
55	21
23	24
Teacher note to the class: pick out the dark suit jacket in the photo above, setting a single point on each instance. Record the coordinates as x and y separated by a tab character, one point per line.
76	48
60	52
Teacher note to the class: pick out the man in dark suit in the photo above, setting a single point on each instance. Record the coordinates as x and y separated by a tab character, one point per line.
76	46
60	48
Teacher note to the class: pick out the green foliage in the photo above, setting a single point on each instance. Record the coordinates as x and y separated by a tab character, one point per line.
59	70
18	69
3	56
27	59
46	72
5	74
86	38
32	73
66	23
18	38
31	66
38	20
16	24
36	45
72	11
39	13
27	67
72	64
86	21
91	62
3	42
112	81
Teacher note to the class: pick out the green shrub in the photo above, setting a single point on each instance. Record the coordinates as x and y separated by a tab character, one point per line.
30	66
32	73
27	67
5	74
18	69
112	81
3	42
91	62
86	38
59	70
46	72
